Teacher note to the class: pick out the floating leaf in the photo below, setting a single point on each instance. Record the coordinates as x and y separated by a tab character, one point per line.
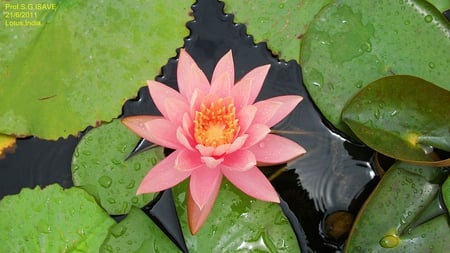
78	63
99	166
441	5
238	223
352	43
7	142
137	233
52	220
401	117
387	221
281	23
446	192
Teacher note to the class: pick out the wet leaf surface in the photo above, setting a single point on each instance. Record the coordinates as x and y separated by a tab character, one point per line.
238	223
446	192
352	43
99	166
52	220
69	72
137	233
282	24
401	117
387	221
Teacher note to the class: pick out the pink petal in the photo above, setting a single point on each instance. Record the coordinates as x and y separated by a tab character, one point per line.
187	160
275	149
202	184
160	93
204	150
163	176
196	215
237	143
175	109
247	89
256	133
189	76
253	183
211	162
221	149
223	77
273	110
184	139
240	160
155	129
245	117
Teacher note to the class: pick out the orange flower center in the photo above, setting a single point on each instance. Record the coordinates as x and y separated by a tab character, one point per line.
216	124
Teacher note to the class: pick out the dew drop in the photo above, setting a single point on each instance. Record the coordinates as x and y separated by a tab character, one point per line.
389	241
359	84
428	18
134	200
115	161
367	46
154	161
44	227
137	166
431	65
105	181
376	114
261	144
118	230
281	6
131	184
111	200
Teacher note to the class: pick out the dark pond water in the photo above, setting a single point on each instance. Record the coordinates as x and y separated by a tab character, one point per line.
335	175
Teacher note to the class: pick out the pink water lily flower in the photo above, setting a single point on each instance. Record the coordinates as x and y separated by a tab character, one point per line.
215	129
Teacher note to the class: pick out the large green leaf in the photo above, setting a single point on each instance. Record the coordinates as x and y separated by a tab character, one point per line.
281	24
352	43
99	166
137	233
446	192
387	222
238	223
401	116
52	220
82	61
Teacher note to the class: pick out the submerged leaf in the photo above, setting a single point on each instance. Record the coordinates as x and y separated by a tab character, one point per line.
401	117
77	64
238	223
387	222
99	166
52	220
352	43
137	233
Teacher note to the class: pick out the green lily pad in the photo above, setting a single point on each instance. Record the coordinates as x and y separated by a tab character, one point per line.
387	221
238	223
137	233
441	5
52	220
75	65
446	192
401	116
281	24
352	43
99	166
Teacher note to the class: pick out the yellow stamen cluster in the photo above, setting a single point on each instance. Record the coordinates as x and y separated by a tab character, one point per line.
215	124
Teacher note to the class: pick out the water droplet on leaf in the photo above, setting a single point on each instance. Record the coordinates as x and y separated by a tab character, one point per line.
105	181
389	241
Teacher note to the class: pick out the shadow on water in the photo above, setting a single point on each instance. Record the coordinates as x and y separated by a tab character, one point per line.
334	175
